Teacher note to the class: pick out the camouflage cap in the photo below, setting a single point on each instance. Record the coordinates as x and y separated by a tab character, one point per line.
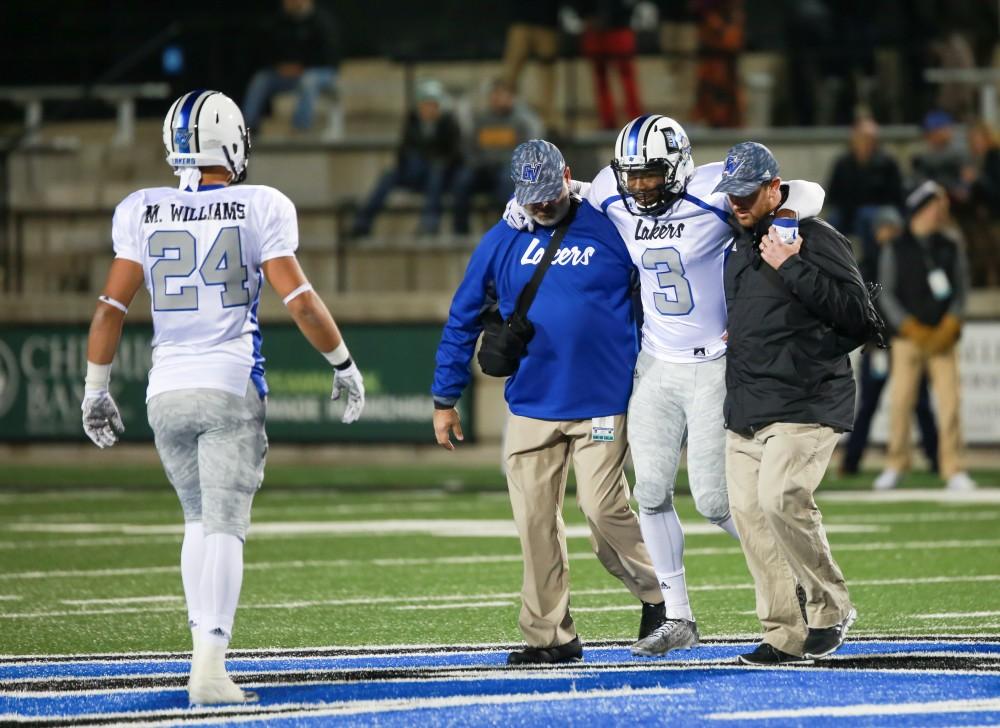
748	166
536	168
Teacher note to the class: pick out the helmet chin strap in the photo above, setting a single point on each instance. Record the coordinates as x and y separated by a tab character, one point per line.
190	178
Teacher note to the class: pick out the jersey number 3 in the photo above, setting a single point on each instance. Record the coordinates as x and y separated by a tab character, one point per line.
677	301
223	266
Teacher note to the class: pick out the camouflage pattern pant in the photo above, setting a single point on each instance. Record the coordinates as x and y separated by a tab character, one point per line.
213	446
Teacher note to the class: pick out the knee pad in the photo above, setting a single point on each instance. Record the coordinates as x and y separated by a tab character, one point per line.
713	505
653	499
227	511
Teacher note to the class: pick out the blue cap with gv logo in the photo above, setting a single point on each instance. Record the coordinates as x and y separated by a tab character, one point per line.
536	168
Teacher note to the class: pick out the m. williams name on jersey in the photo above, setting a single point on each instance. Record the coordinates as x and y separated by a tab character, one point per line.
657	231
212	211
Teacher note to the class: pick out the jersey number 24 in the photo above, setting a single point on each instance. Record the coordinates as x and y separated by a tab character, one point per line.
223	266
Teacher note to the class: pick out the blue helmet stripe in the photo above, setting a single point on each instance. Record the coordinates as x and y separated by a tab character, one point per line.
184	145
633	135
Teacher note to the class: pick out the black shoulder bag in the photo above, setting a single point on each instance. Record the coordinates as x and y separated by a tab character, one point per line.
505	341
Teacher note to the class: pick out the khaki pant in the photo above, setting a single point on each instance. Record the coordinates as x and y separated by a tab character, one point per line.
538	456
772	477
524	41
908	365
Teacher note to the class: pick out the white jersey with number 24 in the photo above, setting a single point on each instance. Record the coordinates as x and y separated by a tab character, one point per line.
201	254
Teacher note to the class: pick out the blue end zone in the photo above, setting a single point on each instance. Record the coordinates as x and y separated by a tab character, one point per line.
920	683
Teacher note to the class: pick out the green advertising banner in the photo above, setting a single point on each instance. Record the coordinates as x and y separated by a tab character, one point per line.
42	369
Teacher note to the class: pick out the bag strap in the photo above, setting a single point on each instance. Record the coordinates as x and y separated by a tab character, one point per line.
527	296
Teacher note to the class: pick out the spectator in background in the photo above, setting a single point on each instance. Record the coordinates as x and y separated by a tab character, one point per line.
980	218
428	155
719	98
982	169
534	31
863	180
505	123
301	49
924	277
887	225
941	160
609	38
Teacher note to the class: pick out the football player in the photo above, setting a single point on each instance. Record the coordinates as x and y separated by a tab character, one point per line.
677	231
203	251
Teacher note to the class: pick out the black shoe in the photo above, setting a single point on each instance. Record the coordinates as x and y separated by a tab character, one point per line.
826	641
767	656
570	652
653	615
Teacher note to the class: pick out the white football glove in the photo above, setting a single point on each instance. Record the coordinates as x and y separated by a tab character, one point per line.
351	382
101	419
517	217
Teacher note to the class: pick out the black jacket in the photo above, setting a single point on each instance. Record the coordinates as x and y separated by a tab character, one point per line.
790	331
440	142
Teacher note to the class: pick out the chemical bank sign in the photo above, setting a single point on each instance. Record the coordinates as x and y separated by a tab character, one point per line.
42	370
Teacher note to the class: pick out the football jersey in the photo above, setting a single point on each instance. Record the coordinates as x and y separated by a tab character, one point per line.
201	254
680	256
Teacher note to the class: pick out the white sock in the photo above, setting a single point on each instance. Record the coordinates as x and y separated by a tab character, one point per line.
729	526
675	595
665	542
192	561
221	580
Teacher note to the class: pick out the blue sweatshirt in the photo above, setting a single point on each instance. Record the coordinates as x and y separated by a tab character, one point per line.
579	363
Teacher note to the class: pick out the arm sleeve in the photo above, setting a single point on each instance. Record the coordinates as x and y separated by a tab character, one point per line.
888	302
125	236
829	285
960	284
452	371
279	230
806	198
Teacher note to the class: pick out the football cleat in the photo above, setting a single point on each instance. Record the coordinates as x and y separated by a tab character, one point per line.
673	634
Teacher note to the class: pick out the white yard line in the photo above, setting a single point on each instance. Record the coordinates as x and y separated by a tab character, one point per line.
912	495
463	605
9	598
477	600
956	615
439	527
866	709
123	600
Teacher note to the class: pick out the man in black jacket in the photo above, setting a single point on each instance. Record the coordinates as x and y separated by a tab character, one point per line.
797	306
429	152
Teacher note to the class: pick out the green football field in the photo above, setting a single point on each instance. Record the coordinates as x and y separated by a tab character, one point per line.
364	557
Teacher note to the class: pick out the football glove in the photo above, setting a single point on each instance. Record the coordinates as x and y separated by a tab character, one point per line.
350	382
101	419
517	217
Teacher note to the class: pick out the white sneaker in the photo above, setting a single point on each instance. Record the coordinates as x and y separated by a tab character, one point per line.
961	482
209	684
887	480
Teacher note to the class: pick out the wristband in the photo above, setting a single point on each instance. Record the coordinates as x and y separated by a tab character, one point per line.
113	303
339	358
98	377
296	293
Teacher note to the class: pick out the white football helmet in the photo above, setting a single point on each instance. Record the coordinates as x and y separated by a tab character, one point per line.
653	145
206	129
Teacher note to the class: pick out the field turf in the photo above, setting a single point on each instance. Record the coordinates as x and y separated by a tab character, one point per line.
88	569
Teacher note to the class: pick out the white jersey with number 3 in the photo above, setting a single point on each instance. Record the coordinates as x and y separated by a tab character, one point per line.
680	256
201	253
